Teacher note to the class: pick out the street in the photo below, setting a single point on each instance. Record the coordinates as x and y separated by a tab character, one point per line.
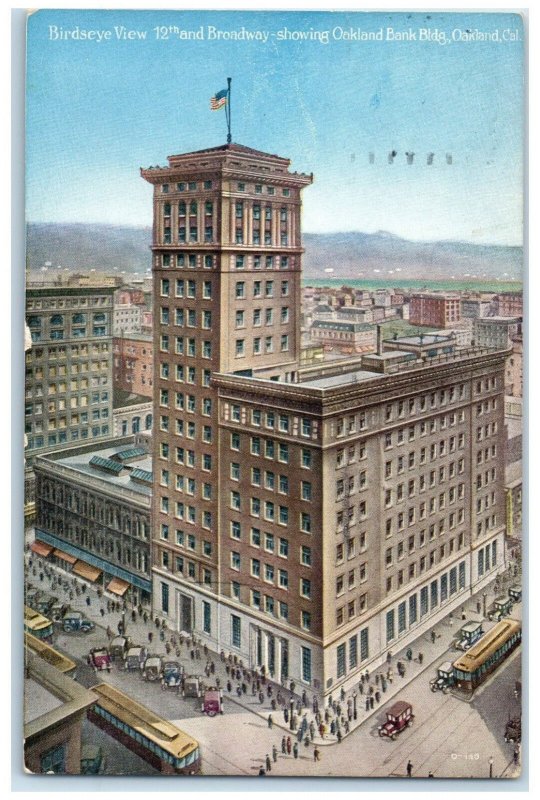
449	738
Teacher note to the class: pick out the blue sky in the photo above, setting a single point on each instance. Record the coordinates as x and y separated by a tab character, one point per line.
96	112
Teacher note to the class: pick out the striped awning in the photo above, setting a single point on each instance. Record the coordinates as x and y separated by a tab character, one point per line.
118	586
41	548
64	556
87	571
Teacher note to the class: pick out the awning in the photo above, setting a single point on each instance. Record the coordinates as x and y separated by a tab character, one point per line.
41	548
118	586
64	556
86	571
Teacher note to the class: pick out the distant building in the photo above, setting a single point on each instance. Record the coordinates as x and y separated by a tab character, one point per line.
496	331
437	310
131	413
346	337
93	512
514	369
133	364
354	314
55	707
509	304
127	319
473	308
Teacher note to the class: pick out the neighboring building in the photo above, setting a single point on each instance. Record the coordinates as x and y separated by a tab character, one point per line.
132	413
475	308
54	709
496	331
305	520
437	310
127	319
147	324
354	314
509	304
133	364
323	312
93	512
69	368
514	500
514	368
345	337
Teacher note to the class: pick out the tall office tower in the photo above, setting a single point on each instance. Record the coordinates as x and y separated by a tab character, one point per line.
68	382
227	271
310	519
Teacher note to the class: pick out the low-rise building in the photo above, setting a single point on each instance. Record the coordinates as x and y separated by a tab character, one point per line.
509	304
126	319
345	337
133	364
496	331
131	413
435	309
93	511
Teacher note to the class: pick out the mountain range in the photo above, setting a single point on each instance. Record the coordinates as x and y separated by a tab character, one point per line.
109	248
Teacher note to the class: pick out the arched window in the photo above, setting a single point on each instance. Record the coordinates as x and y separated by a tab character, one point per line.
135	424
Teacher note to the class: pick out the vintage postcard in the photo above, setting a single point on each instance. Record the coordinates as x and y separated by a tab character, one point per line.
273	394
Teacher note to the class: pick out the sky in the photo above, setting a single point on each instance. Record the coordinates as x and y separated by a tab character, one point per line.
97	111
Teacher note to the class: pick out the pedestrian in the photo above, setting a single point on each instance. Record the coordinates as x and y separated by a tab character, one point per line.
261	698
284	745
269	690
229	686
244	691
212	667
292	686
316	754
347	726
312	729
478	606
261	772
300	735
192	654
145	617
361	688
371	702
150	637
41	577
516	755
295	750
332	727
377	678
420	658
274	753
304	698
377	696
433	637
390	675
289	745
109	632
270	720
367	676
238	691
389	657
367	704
268	763
342	693
88	601
285	714
339	736
430	774
383	682
463	614
102	612
409	769
451	620
409	654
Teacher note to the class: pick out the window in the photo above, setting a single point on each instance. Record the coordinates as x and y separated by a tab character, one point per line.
341	661
235	561
390	633
305	555
240	290
236	629
305	587
165	598
306	664
305	620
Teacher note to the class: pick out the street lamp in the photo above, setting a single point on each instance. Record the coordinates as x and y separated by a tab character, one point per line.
491	766
354	704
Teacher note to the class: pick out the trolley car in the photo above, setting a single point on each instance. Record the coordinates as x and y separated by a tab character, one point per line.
164	746
38	625
476	665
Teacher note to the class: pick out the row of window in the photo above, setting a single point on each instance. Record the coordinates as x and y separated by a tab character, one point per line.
73	302
273	421
267	603
398	523
257	345
185	457
241	186
358	652
487	558
59	333
63	351
35	442
432	504
438	592
240	291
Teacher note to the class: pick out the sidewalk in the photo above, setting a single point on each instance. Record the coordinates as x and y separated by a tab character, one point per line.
338	715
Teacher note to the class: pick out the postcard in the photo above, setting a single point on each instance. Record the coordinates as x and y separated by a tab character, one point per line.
274	394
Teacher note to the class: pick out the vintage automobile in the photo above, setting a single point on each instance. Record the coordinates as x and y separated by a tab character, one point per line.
92	760
99	659
468	635
444	679
502	607
58	611
135	658
192	686
512	732
514	593
153	668
74	621
398	717
118	647
171	677
44	604
212	703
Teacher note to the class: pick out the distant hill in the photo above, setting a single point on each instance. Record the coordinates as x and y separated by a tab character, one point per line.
348	255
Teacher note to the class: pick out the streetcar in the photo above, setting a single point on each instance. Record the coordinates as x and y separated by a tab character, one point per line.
50	655
164	746
476	665
38	625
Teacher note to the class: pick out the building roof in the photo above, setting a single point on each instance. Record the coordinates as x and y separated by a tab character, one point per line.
232	147
340	380
352	327
100	466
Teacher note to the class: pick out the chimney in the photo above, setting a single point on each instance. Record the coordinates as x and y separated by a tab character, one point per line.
379	340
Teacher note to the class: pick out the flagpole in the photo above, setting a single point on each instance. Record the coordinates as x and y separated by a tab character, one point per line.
228	109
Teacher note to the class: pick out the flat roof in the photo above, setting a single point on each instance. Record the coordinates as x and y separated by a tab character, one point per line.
81	463
38	700
344	379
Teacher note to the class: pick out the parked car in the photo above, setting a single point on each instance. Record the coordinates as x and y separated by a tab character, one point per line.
192	686
153	668
444	679
212	703
92	760
468	635
514	594
100	659
502	607
512	732
135	658
398	717
74	621
44	604
118	647
58	611
171	677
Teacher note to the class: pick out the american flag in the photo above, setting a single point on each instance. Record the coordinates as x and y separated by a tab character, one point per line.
219	100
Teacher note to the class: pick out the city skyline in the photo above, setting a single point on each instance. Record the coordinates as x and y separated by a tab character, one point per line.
468	95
